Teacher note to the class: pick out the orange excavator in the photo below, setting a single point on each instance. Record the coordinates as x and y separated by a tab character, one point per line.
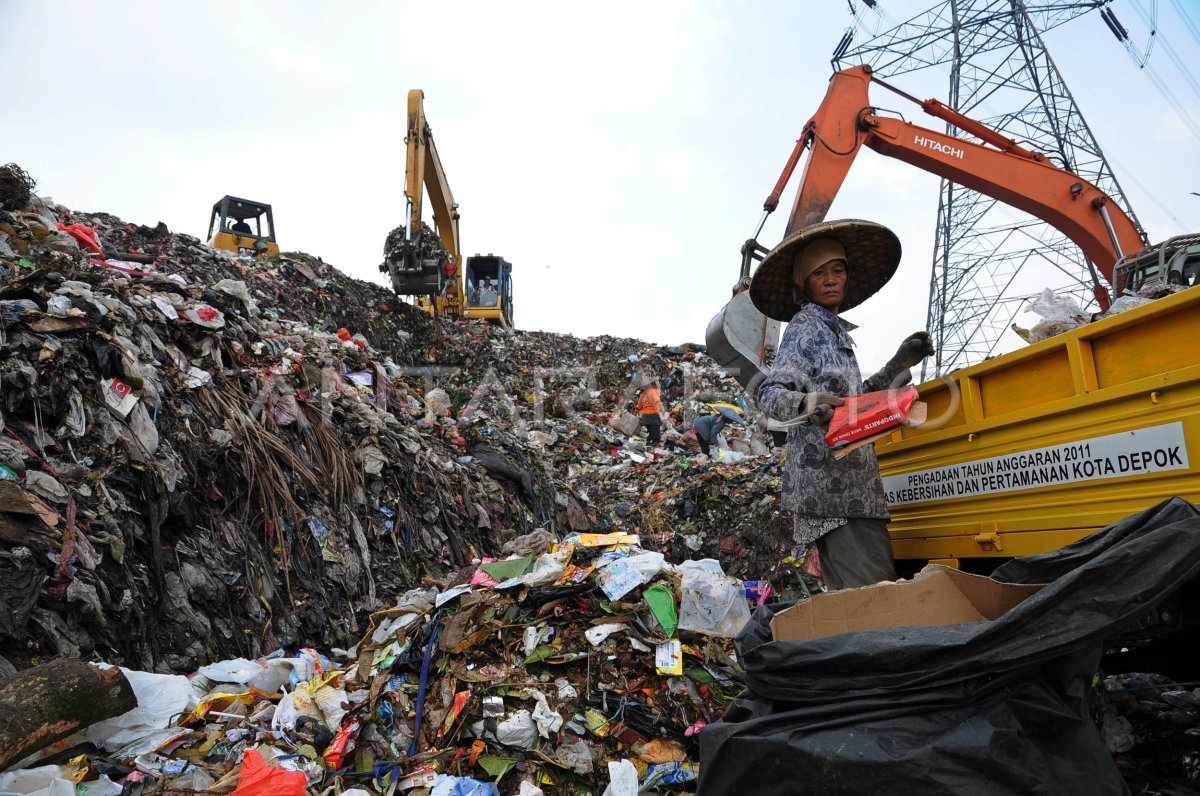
1035	448
741	338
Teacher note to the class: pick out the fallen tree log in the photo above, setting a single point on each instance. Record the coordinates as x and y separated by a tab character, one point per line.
44	704
134	257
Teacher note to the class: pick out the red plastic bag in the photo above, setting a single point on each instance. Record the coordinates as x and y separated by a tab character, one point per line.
86	236
259	779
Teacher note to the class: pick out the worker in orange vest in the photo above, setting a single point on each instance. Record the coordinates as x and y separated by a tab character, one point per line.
649	408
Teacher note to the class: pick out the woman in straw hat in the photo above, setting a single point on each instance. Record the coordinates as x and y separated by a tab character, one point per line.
808	280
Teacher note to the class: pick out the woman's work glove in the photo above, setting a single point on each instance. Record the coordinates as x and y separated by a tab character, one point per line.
818	406
915	347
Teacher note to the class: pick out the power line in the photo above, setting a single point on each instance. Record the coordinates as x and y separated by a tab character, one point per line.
1151	21
1187	20
1141	60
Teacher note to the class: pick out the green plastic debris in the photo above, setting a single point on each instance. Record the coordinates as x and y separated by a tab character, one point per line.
26	264
501	571
541	653
496	766
8	474
661	600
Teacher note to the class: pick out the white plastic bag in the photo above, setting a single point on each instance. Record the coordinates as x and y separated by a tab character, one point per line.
518	730
331	702
40	781
160	697
103	786
547	720
576	755
622	779
1055	307
712	603
237	670
437	402
546	569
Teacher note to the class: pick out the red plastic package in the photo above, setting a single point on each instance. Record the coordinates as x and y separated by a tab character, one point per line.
259	779
868	414
343	743
86	236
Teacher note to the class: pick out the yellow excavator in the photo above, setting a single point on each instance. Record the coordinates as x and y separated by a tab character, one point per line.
240	225
426	263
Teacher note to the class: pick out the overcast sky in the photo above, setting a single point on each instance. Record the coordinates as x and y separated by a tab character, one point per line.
617	154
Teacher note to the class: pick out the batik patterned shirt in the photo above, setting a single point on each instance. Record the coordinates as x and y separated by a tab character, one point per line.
817	355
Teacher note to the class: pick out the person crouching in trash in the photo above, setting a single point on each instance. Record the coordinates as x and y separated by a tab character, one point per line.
811	277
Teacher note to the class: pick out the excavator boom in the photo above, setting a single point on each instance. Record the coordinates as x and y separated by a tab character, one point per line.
999	167
423	263
423	170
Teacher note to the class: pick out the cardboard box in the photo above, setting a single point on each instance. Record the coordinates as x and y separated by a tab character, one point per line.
938	595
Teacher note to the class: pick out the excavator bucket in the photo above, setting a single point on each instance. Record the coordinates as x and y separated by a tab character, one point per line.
742	340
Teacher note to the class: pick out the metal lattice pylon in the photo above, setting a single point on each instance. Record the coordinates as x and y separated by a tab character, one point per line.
988	257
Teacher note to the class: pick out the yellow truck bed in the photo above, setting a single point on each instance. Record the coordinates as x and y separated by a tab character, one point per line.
1034	449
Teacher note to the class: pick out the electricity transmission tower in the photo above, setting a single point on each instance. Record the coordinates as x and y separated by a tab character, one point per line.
988	258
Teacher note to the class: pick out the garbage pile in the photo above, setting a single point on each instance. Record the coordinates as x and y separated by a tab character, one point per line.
1149	724
566	665
200	448
1060	313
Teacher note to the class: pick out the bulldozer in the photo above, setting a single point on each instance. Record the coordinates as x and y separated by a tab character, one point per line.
1035	449
243	226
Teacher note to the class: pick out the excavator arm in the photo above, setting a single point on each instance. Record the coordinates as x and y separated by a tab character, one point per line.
423	170
999	167
741	338
421	263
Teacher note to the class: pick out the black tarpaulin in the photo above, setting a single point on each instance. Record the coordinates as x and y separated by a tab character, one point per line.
995	707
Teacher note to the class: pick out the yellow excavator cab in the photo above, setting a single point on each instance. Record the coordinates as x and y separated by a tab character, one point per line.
487	282
239	225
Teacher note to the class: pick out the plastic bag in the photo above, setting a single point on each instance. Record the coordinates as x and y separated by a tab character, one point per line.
272	675
1059	314
518	730
546	570
446	785
437	402
625	422
547	720
86	236
1055	307
622	779
294	705
576	756
1124	304
331	702
877	711
712	603
161	698
259	779
40	781
237	670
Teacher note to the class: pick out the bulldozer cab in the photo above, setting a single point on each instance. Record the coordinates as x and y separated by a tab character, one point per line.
240	225
487	282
